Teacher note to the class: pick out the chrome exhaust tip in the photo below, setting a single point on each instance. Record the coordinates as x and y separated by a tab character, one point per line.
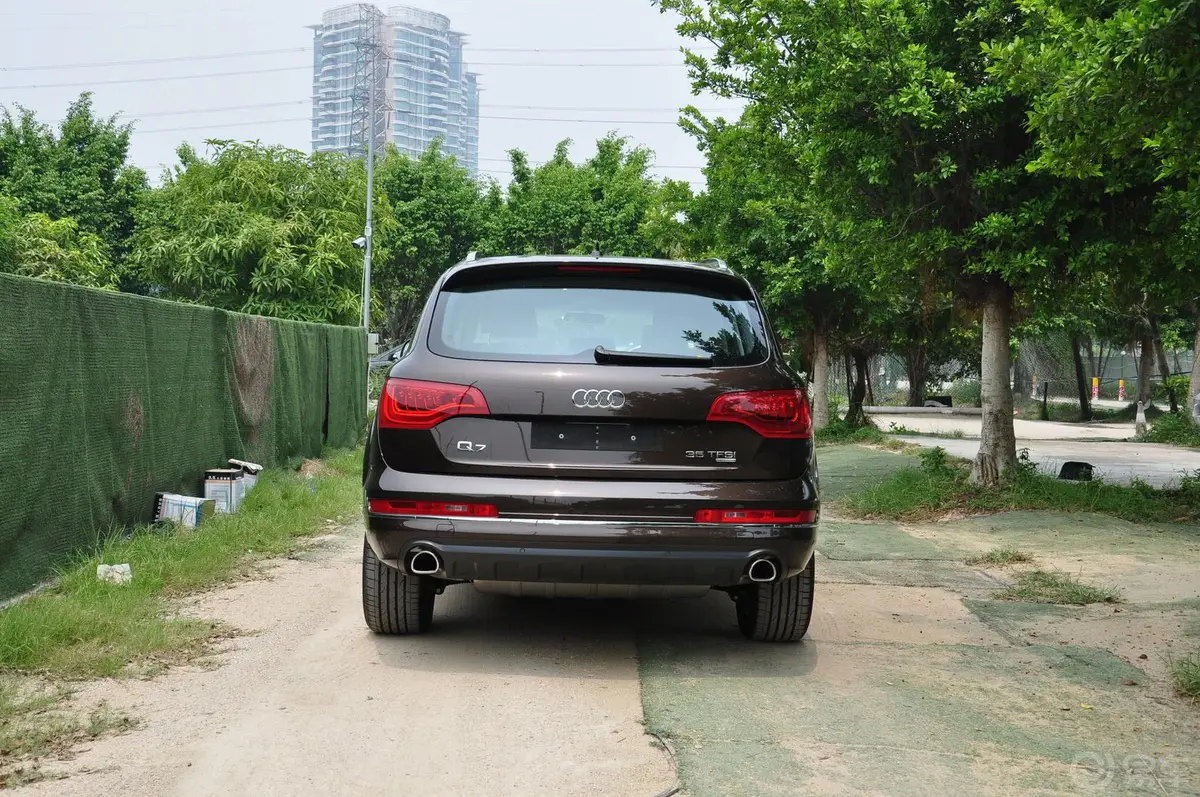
762	571
424	563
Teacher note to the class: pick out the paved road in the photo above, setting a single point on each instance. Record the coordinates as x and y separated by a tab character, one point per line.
968	426
1121	463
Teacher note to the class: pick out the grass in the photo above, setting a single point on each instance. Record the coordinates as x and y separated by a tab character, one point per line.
1001	557
940	485
1045	586
85	628
1186	673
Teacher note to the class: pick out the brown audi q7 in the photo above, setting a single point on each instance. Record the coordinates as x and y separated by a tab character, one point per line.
592	426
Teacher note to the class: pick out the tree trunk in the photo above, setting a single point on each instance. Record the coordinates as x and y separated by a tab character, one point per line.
849	362
1164	367
1081	381
819	382
855	417
1193	397
1145	367
917	366
998	443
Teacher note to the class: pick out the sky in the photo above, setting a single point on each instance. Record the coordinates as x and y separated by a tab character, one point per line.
550	70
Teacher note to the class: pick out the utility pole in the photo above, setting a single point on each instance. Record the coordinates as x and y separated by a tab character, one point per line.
370	202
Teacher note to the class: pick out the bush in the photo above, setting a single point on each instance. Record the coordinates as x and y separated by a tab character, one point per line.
1177	385
1174	428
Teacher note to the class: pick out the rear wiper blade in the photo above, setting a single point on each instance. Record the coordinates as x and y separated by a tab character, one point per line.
604	355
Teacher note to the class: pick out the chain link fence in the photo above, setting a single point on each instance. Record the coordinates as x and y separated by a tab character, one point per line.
1043	370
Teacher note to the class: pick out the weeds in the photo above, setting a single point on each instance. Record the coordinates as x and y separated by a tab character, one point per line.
375	379
899	428
838	432
34	724
1001	557
1186	674
1044	586
940	485
85	628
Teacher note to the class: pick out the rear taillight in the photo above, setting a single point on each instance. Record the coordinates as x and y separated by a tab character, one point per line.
383	506
410	404
771	413
779	517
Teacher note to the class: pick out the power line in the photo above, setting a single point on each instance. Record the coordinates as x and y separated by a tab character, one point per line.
307	67
557	108
306	119
157	79
481	116
141	61
282	50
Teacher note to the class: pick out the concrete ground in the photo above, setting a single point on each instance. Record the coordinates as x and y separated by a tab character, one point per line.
969	425
1107	446
914	680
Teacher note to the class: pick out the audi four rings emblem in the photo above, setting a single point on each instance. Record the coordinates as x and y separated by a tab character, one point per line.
598	399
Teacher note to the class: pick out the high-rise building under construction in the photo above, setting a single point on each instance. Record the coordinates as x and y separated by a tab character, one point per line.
398	75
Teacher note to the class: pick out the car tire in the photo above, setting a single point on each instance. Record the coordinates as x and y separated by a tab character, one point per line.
394	602
779	611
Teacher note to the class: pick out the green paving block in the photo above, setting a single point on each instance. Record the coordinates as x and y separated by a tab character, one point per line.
895	719
919	573
846	470
1083	533
849	540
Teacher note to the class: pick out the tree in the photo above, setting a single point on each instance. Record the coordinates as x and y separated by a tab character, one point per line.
34	245
913	158
1111	84
81	172
259	229
565	208
755	220
439	214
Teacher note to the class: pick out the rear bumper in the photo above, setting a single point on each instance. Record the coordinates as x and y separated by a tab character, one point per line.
574	532
590	553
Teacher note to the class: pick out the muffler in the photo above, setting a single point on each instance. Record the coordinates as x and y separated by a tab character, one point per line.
762	571
424	563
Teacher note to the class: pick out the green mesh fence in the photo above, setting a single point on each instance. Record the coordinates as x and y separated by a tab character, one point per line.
106	399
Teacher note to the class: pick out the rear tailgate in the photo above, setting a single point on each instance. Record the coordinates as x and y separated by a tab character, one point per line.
510	371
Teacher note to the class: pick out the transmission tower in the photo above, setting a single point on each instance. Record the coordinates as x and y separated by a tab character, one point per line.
372	69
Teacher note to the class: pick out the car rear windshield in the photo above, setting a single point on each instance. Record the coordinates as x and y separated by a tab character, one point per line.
565	318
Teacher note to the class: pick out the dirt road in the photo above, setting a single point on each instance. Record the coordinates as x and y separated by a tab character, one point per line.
310	703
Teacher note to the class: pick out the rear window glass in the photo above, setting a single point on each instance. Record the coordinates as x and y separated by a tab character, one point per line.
565	319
